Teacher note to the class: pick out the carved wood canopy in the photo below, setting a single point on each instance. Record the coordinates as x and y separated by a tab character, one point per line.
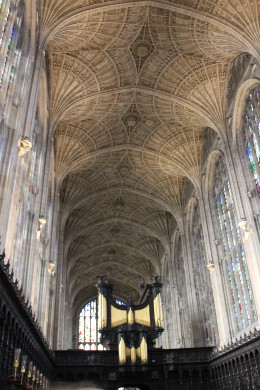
133	87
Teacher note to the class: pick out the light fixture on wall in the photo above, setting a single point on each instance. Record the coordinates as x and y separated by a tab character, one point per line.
25	145
30	368
51	268
17	353
37	378
23	366
33	375
42	221
243	223
211	267
247	234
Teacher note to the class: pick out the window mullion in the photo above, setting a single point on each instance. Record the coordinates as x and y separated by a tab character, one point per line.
234	271
253	152
235	255
228	271
248	308
233	262
247	284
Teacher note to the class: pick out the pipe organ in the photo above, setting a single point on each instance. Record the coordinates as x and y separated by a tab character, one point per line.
132	328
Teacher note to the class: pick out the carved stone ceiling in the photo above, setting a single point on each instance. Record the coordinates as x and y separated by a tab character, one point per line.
133	86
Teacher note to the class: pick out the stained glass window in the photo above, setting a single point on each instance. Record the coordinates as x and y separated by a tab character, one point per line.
121	303
236	272
10	26
5	12
89	338
251	129
202	280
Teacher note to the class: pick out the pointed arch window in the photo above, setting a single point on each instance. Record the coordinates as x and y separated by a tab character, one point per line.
202	279
251	130
235	266
5	8
10	28
89	338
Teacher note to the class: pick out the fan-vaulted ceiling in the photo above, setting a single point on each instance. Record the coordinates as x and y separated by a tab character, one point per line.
133	87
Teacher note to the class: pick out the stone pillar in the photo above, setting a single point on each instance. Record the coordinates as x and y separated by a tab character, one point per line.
175	316
213	265
192	302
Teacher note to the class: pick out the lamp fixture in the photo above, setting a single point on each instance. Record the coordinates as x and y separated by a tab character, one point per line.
25	145
42	221
211	267
24	361
17	353
243	223
51	268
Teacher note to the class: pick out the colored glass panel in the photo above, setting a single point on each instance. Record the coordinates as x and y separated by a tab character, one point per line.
10	26
89	338
236	272
120	302
6	12
251	130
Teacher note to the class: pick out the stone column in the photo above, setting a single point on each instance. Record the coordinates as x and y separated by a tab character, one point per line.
192	301
213	265
176	321
194	304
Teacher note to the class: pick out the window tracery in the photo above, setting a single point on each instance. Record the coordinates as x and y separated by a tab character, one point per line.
89	338
251	130
5	8
235	266
10	27
202	279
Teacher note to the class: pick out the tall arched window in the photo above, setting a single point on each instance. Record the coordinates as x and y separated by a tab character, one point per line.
89	338
251	129
10	26
202	280
235	268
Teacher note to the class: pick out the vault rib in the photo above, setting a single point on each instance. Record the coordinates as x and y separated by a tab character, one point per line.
54	25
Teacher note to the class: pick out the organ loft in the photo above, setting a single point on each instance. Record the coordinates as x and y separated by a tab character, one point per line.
130	194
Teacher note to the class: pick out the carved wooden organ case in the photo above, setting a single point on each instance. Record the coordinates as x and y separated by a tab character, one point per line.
130	328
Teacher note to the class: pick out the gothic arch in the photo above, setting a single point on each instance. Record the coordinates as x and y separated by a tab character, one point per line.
209	176
239	107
